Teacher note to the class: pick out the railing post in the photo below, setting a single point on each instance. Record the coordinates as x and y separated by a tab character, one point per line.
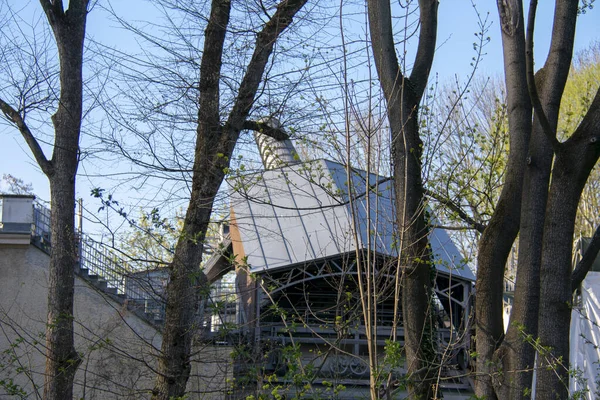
80	215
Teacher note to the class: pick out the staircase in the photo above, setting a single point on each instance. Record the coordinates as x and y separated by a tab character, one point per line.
101	267
142	292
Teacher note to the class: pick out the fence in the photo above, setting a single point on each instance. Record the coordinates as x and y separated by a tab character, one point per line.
144	287
100	260
93	256
40	230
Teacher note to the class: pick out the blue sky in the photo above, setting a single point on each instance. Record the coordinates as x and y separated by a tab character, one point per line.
457	26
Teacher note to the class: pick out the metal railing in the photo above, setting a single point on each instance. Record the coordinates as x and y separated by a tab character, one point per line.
40	229
93	256
102	261
143	287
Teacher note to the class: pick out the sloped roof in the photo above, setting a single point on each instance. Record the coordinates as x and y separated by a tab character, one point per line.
292	215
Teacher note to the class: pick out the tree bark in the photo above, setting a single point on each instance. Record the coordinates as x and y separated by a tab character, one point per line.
215	142
516	354
497	240
403	96
68	27
572	167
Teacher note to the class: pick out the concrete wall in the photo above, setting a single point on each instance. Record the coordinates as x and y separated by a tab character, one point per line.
118	348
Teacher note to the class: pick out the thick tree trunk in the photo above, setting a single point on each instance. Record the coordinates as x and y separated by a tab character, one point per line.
555	296
572	168
61	358
187	282
497	239
516	354
403	96
214	146
420	345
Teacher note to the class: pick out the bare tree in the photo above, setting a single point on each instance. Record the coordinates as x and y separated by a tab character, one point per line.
15	185
68	26
543	211
215	141
403	95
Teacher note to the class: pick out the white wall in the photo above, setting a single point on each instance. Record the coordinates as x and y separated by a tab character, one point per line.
119	349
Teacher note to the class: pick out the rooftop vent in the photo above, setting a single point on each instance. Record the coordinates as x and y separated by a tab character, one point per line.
16	217
275	153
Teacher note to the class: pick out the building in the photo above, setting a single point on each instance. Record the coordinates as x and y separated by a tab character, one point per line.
584	354
299	233
115	335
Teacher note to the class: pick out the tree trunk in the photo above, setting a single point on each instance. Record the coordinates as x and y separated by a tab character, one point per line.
420	345
516	354
497	239
187	282
572	168
214	146
403	96
61	358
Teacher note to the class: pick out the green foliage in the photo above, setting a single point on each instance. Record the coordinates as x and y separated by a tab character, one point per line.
472	147
393	354
151	240
13	361
546	359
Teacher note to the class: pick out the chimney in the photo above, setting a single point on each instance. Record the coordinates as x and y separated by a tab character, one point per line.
275	153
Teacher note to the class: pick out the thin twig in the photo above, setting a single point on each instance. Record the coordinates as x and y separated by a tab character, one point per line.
478	226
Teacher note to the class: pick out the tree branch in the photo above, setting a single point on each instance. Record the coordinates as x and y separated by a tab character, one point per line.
265	41
77	8
47	5
384	51
586	262
426	49
588	127
53	9
261	127
212	59
13	116
478	226
531	86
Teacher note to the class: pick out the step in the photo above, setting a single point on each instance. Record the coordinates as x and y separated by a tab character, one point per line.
139	305
111	290
101	284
